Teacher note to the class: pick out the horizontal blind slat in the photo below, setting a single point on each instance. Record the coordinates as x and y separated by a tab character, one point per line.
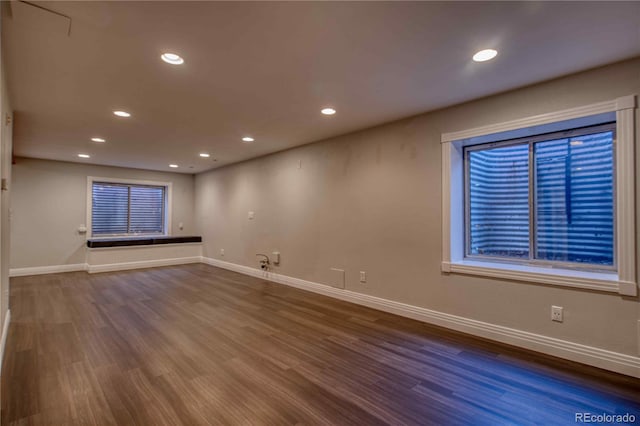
121	209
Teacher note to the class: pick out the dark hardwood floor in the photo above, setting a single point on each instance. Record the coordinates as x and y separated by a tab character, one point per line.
198	345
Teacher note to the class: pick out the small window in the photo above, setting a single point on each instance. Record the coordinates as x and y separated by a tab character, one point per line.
119	209
546	199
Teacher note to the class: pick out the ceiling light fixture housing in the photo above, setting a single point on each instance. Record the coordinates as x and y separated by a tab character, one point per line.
204	155
172	58
328	111
100	140
485	55
247	139
122	114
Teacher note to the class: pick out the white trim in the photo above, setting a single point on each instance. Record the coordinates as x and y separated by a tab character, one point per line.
452	166
123	266
624	281
563	277
5	333
167	208
446	206
619	104
246	270
625	102
613	361
52	269
625	198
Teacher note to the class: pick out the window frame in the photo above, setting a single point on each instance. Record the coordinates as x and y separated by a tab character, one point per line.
129	182
530	142
622	280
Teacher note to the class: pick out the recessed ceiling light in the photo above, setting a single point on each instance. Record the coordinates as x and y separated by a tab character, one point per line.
172	58
204	155
328	111
173	166
84	156
122	113
485	55
574	143
98	140
247	139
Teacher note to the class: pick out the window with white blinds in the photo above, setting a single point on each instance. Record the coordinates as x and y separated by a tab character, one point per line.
127	209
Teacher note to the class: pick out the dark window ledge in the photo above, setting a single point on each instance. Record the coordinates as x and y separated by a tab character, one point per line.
140	241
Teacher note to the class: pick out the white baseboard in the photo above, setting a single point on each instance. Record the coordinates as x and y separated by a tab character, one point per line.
3	340
110	267
53	269
92	269
608	360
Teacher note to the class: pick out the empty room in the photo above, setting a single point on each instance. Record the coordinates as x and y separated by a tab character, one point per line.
323	213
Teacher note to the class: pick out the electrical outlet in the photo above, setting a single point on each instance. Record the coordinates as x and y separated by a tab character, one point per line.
221	252
556	313
363	277
251	215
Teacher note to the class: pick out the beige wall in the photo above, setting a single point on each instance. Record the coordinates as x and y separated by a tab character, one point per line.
49	204
6	147
370	201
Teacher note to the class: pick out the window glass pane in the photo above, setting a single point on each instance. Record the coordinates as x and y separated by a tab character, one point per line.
110	209
499	201
147	210
574	199
121	209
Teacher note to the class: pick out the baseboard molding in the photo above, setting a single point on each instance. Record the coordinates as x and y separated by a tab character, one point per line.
247	270
3	340
608	360
53	269
110	267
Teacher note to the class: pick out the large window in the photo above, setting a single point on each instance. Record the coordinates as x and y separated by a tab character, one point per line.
122	209
546	199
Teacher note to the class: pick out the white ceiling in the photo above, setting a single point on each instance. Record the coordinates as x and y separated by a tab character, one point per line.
266	69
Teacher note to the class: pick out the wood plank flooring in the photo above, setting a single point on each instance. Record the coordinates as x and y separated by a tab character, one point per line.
197	345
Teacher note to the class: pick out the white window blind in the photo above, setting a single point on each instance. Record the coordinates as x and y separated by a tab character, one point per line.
126	209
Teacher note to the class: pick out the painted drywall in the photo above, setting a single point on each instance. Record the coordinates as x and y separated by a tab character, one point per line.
49	204
370	201
121	258
6	147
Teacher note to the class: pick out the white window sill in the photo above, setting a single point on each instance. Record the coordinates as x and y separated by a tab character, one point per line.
600	281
